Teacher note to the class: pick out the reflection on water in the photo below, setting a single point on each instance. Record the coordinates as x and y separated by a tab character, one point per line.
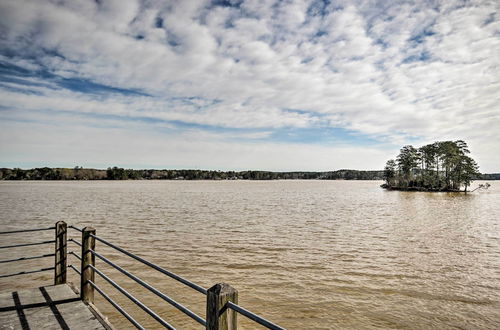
305	254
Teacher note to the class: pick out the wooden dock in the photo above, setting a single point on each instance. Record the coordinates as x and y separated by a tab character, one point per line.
61	306
48	307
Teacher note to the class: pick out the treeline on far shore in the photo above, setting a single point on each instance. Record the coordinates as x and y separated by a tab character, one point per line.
117	173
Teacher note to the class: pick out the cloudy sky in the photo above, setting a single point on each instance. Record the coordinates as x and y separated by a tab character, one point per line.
270	85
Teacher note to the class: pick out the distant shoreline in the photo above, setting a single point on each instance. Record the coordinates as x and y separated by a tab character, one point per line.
117	173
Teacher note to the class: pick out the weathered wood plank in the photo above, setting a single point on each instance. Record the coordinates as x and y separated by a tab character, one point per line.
50	307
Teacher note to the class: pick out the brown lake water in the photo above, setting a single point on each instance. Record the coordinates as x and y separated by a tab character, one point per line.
303	254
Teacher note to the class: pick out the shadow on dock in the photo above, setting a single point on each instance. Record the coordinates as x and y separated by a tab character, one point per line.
49	307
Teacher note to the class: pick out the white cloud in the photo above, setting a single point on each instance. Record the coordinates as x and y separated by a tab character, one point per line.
396	72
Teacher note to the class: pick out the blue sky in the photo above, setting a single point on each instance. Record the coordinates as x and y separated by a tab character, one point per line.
233	85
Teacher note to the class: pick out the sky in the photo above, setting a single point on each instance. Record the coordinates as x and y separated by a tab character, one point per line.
236	85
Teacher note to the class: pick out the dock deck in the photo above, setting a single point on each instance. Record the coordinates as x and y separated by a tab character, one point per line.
49	307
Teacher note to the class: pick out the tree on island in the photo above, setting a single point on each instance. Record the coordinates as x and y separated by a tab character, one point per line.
440	166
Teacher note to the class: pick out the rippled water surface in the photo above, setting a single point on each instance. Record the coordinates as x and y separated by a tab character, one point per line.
304	254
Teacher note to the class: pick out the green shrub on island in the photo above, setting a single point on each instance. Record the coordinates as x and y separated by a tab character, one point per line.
440	166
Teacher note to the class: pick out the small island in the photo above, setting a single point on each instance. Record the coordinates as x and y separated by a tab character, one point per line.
440	166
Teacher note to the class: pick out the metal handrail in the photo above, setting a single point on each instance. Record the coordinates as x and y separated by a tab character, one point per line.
73	227
133	299
254	317
28	272
28	258
75	241
76	270
160	294
115	305
26	244
158	268
25	230
76	255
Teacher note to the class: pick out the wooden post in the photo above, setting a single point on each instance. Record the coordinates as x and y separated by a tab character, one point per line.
219	316
60	263
88	243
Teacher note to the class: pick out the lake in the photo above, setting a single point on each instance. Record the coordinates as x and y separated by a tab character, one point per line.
303	254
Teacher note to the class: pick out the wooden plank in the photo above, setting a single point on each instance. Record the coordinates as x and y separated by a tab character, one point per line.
50	307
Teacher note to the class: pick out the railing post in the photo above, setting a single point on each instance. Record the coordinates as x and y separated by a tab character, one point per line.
60	263
219	316
88	258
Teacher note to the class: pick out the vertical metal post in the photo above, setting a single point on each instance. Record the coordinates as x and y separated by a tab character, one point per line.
219	316
88	243
60	263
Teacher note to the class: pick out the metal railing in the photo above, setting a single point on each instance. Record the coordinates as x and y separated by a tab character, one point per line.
153	290
221	306
30	257
155	267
